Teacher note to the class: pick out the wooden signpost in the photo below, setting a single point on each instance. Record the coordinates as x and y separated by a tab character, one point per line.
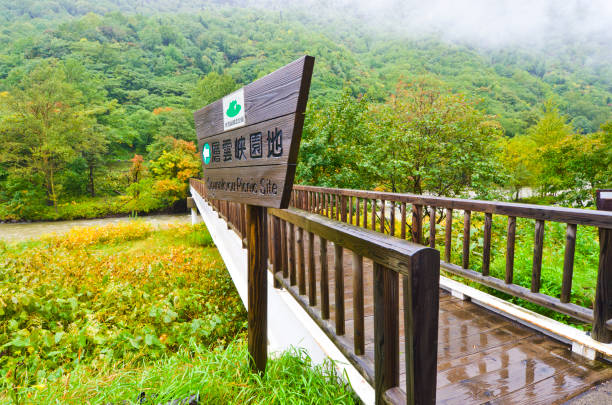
249	142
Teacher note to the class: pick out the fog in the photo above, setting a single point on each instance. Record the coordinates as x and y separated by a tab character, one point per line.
488	23
498	22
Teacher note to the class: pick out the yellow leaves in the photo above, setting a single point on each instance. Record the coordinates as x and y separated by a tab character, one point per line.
85	236
111	302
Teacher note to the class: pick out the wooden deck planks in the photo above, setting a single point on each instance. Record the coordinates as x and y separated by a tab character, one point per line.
482	356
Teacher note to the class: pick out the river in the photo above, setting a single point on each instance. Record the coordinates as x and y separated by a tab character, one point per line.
17	232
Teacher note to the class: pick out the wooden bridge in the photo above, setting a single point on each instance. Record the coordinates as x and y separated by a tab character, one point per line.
345	257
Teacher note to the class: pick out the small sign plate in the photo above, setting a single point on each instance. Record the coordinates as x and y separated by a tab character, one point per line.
234	110
604	200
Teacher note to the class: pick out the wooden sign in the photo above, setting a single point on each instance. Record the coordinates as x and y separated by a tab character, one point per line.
249	140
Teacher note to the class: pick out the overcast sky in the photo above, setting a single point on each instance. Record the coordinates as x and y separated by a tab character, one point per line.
482	22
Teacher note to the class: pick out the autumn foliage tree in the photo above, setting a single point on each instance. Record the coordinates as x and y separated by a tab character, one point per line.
168	180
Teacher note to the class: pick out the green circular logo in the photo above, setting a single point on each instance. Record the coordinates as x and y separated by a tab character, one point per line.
206	153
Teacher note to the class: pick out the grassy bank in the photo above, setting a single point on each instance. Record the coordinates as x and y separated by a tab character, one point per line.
80	208
104	313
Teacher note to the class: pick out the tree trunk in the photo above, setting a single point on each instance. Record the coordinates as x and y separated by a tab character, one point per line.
52	184
91	181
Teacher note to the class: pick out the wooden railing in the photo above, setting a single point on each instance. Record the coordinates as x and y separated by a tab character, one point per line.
293	252
379	211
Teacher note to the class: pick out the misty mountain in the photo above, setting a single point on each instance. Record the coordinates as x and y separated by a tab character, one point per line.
513	56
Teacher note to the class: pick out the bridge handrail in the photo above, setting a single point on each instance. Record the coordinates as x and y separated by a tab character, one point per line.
293	261
578	216
357	206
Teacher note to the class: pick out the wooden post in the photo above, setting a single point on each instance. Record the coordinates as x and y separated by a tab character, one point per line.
421	305
257	287
602	308
386	330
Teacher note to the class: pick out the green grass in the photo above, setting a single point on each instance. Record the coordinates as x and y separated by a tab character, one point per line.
219	376
102	314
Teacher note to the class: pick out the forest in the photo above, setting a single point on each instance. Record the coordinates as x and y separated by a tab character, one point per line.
97	102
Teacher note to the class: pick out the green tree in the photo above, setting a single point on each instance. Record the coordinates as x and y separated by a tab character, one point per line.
337	149
431	140
211	87
517	157
547	135
42	128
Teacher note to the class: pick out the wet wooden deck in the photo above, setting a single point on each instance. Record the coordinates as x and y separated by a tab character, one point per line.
482	356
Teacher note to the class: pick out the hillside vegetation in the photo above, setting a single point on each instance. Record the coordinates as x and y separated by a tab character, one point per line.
97	101
124	312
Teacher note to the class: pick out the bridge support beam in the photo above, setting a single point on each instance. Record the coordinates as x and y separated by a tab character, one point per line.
257	287
195	218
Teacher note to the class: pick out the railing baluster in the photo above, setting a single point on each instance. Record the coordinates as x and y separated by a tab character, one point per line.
417	223
339	286
538	245
343	200
568	263
276	250
403	228
312	275
374	207
510	250
467	215
392	219
357	212
284	259
351	210
291	243
486	244
432	227
365	213
382	216
300	262
358	306
337	198
386	330
324	279
324	204
448	237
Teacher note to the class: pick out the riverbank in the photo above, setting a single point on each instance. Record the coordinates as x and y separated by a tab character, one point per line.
87	208
23	231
